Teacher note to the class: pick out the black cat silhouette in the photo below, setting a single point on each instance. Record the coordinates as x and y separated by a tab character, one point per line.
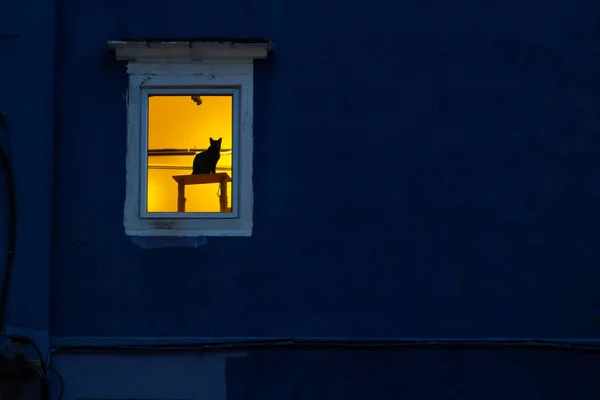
206	161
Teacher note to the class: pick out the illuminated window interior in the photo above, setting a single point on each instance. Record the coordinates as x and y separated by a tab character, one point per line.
180	127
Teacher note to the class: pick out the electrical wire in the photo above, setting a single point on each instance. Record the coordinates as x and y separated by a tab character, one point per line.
12	227
27	341
60	379
41	368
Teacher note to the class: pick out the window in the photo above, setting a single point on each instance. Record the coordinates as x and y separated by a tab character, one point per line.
189	137
181	124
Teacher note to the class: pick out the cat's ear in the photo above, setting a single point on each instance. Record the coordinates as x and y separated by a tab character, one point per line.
212	140
219	140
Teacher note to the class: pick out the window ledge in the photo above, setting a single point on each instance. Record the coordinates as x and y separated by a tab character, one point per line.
160	242
189	50
185	233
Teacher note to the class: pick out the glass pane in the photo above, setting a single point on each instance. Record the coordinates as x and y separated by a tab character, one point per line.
190	153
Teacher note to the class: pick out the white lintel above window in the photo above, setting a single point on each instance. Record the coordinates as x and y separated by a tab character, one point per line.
187	98
188	51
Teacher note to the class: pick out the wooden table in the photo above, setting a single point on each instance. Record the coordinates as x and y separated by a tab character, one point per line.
222	178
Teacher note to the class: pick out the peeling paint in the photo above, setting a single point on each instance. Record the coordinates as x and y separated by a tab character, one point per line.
146	79
162	225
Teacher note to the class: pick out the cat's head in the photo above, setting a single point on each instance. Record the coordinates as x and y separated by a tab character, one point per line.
215	143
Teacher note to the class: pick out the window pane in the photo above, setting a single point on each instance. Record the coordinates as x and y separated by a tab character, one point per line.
184	132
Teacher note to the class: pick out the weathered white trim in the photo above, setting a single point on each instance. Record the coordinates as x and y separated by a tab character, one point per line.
196	75
187	51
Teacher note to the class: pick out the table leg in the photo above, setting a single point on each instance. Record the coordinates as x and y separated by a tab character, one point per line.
223	194
180	197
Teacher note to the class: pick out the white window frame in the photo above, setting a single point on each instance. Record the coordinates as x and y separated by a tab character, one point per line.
235	93
189	68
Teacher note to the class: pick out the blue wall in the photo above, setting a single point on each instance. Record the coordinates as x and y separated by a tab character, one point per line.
337	374
27	97
390	375
482	122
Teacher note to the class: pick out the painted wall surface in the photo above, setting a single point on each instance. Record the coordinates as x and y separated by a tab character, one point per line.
27	98
135	376
422	169
391	375
320	375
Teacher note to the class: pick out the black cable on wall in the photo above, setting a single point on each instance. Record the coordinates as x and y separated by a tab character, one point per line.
9	260
12	226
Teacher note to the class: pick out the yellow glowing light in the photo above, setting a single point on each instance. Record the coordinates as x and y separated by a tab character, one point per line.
177	122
